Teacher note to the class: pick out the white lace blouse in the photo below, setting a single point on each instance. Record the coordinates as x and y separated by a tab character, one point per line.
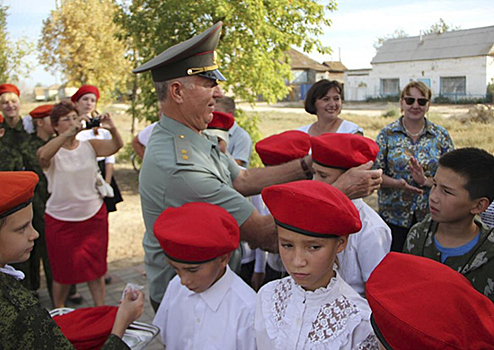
335	317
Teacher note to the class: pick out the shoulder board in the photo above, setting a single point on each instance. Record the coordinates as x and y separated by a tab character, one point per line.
182	150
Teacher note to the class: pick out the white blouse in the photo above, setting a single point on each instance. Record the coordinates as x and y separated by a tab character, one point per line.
72	183
345	127
365	249
289	317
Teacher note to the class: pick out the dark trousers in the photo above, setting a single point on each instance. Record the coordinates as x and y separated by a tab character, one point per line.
399	235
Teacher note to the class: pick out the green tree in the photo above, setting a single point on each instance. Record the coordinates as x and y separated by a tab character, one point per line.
13	63
397	34
79	39
252	51
440	27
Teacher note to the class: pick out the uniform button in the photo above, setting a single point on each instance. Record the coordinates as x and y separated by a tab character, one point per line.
181	136
198	320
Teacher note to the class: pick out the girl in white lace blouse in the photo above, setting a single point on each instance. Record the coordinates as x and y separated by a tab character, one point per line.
313	308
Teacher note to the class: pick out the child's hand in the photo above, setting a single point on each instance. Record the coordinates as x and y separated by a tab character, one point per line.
129	310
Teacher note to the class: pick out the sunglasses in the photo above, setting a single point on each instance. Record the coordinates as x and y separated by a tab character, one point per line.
411	100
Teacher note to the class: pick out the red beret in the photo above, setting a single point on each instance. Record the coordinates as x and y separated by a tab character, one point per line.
85	89
196	232
343	151
16	190
221	121
284	147
312	208
419	303
41	111
88	328
9	88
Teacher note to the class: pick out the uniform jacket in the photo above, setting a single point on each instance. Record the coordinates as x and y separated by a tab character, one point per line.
25	324
477	265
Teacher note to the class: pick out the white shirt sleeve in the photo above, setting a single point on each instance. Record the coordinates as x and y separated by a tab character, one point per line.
145	134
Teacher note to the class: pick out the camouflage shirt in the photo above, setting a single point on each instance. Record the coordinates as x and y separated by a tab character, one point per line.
28	150
477	265
25	324
11	143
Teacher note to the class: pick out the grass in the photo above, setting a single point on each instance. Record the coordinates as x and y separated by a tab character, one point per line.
463	135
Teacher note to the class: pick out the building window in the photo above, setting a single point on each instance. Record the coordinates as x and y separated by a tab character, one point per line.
453	86
390	87
426	81
300	76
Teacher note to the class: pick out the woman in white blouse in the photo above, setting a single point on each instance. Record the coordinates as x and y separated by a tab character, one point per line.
76	219
324	100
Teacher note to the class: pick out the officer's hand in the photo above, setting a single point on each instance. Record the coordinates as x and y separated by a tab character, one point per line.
360	181
129	310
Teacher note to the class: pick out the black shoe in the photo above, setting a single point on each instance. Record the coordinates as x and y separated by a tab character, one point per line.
108	280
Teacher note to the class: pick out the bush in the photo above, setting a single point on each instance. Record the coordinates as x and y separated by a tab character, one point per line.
250	123
391	112
386	98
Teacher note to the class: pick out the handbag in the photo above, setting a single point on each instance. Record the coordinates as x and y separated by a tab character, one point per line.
103	187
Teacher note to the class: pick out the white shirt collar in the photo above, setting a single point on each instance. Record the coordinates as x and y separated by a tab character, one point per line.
215	294
9	270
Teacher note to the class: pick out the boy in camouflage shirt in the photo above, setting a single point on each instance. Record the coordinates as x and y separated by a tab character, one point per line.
453	233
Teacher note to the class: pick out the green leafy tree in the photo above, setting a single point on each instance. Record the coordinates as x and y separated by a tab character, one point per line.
79	39
13	62
252	51
397	34
440	27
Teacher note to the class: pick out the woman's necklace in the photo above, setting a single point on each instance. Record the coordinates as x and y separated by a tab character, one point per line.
411	133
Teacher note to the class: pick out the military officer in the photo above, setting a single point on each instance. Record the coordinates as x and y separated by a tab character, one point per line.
182	164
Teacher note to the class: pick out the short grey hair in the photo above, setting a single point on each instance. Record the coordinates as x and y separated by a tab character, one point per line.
161	87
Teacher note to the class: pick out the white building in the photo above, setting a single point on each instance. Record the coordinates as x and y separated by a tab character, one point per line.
455	65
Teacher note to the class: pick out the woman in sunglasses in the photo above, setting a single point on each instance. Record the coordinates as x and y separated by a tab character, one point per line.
410	148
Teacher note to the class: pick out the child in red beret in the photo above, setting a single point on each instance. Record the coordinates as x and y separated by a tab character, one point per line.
332	155
275	150
313	308
418	303
24	323
206	305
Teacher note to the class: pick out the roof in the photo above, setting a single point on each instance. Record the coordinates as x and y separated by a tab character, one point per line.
39	91
335	66
455	44
302	61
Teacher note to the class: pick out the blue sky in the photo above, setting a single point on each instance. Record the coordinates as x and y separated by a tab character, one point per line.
356	25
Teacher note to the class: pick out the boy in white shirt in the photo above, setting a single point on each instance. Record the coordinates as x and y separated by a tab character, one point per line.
206	306
332	155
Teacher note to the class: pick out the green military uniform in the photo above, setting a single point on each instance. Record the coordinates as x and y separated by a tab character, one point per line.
182	166
10	146
25	324
477	265
29	150
14	148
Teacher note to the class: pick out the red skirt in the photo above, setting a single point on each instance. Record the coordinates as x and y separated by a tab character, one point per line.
77	250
